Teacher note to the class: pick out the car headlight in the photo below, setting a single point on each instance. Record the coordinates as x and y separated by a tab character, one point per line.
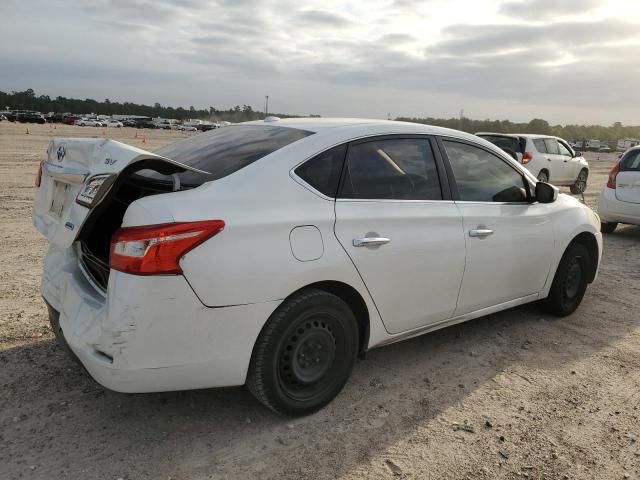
95	189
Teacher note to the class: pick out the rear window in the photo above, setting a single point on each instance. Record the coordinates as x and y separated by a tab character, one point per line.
504	142
226	150
631	162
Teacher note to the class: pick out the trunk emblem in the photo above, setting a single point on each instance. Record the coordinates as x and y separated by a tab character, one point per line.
62	151
69	225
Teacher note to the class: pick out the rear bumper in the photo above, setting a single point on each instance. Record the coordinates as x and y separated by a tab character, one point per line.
151	334
611	209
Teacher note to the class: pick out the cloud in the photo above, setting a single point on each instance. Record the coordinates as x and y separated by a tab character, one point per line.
536	10
320	18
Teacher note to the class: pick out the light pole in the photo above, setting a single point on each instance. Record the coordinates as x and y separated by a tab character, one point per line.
266	106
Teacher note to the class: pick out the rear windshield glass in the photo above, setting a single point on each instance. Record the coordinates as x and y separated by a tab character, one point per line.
631	162
225	150
508	143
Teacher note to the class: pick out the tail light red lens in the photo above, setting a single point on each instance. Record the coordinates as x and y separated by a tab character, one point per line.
611	183
157	249
527	157
39	176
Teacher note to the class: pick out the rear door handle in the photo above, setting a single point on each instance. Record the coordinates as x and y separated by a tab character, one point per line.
370	241
480	232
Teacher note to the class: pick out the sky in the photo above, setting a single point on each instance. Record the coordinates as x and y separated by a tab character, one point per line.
567	61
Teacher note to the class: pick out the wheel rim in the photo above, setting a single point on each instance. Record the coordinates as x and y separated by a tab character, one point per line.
581	182
307	358
543	177
573	280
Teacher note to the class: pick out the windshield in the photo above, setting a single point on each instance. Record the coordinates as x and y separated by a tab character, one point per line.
225	150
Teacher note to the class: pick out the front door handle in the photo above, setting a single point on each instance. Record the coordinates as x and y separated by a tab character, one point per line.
480	232
370	241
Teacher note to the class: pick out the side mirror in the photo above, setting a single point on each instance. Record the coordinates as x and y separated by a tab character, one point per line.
577	153
546	193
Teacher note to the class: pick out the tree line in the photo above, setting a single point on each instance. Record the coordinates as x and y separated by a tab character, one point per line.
568	132
28	100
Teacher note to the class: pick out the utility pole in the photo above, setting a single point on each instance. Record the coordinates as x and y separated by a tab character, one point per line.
266	106
461	117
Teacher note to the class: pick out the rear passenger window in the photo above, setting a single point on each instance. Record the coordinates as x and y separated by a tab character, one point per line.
552	146
539	144
482	177
323	171
397	169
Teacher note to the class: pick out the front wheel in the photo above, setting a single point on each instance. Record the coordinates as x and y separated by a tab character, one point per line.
305	353
581	183
570	281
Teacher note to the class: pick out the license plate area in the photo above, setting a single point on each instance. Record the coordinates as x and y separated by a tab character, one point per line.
58	198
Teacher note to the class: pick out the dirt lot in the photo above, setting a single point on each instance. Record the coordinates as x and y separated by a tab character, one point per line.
513	395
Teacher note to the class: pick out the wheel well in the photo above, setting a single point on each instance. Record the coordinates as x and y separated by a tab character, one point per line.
545	170
588	241
355	302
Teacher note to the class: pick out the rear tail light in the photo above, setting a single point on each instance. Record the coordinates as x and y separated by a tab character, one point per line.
39	176
611	183
527	157
157	249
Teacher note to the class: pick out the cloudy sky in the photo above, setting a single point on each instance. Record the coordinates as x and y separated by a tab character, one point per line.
565	60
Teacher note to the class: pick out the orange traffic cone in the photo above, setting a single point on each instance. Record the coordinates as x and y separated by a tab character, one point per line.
27	132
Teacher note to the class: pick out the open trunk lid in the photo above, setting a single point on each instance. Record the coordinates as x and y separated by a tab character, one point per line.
78	174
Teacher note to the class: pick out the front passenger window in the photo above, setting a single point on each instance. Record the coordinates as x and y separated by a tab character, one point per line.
482	176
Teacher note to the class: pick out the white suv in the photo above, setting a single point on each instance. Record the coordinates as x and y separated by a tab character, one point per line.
550	159
272	253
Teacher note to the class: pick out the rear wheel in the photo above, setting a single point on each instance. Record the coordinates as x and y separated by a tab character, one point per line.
305	354
543	176
581	183
570	281
608	227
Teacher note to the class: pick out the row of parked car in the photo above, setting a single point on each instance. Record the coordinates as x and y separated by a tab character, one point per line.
552	159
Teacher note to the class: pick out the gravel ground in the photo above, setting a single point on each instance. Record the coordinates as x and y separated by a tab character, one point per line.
513	395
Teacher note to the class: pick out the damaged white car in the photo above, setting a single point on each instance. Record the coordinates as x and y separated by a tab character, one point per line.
273	253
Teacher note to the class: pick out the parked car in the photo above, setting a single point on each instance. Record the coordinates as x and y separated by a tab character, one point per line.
620	198
113	124
2	118
186	128
30	117
70	119
89	122
272	253
550	159
605	149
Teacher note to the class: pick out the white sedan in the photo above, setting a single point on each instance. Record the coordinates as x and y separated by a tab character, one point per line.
89	122
273	253
112	123
620	199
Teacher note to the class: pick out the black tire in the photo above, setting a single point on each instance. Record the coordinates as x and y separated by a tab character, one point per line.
581	183
570	281
608	227
543	176
304	354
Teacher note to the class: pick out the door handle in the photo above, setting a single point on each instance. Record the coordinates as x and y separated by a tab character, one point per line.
480	232
370	241
548	159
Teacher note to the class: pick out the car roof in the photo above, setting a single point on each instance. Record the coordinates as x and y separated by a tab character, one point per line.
328	125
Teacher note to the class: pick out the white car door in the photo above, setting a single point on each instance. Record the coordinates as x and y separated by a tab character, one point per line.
402	231
558	167
509	240
570	164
